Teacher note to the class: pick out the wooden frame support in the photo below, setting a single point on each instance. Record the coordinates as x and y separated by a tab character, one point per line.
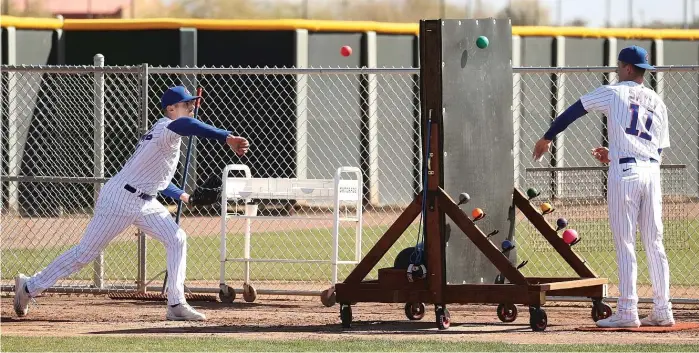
540	223
393	285
434	205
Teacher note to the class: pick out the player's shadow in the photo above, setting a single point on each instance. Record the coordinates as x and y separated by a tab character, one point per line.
9	319
358	328
198	304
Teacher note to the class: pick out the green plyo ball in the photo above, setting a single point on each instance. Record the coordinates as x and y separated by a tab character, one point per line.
532	193
482	42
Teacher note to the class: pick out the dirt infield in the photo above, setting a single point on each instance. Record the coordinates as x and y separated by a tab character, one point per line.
295	318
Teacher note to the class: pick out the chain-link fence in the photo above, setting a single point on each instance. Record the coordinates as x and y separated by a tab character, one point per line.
65	130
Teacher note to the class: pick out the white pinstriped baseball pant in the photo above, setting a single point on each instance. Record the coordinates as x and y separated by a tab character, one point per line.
116	210
635	199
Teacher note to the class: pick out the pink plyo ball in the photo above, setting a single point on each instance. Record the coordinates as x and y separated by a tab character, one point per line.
569	236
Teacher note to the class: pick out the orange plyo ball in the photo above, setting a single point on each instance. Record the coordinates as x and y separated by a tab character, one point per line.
476	213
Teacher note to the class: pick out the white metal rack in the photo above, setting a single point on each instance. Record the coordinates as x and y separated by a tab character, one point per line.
313	191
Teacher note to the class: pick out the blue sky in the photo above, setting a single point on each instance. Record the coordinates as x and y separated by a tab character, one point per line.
595	12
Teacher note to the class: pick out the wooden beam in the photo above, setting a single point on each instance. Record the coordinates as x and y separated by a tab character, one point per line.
433	150
479	239
540	223
590	292
386	241
587	282
537	280
373	293
494	294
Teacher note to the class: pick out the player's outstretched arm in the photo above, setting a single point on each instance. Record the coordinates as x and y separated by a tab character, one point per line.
571	114
193	127
176	193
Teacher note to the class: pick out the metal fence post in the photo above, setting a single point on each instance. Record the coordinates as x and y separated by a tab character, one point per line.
14	141
98	153
141	281
372	119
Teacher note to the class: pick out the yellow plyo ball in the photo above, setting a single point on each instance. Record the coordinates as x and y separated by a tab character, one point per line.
545	207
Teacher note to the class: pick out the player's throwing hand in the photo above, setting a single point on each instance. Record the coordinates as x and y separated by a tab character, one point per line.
541	147
601	154
238	144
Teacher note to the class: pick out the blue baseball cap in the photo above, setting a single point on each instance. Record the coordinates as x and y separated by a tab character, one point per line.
635	55
175	95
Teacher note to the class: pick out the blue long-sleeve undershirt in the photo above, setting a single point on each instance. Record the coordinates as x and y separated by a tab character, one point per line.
571	114
173	191
194	127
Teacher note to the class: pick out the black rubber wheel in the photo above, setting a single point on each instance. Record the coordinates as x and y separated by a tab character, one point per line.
249	293
227	297
507	312
346	315
537	319
415	311
327	297
601	311
443	318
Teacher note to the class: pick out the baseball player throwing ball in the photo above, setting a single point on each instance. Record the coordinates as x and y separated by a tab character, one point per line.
638	132
129	198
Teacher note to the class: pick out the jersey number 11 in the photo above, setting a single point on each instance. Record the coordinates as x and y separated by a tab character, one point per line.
633	128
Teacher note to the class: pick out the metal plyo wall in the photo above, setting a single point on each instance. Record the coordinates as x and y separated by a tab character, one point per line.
478	137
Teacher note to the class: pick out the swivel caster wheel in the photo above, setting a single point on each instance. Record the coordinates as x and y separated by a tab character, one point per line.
249	293
507	312
537	319
346	315
443	317
327	297
600	311
415	311
226	294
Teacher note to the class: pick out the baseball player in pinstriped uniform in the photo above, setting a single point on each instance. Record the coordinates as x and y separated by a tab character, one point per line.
129	198
638	132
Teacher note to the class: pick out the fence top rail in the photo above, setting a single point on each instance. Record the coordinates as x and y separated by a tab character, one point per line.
82	69
603	69
71	69
589	168
280	71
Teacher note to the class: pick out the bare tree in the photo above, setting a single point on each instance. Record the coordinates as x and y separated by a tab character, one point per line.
32	8
526	13
578	22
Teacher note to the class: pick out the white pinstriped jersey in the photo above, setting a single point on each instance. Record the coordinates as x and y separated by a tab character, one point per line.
152	167
636	117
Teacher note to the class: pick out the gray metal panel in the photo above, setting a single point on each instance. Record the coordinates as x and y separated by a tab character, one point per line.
586	133
33	91
36	47
478	137
536	95
397	121
334	111
682	100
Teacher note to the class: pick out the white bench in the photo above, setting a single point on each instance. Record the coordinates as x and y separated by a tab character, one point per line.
319	192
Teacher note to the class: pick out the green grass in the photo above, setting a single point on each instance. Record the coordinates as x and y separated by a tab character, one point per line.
681	240
203	255
220	344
